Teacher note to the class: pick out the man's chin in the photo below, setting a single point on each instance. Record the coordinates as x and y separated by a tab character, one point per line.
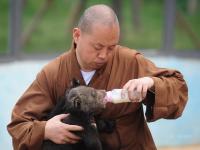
96	66
99	65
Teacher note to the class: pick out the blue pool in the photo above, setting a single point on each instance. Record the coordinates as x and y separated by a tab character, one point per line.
15	77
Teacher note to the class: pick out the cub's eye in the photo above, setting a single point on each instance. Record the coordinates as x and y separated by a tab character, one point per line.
93	93
77	103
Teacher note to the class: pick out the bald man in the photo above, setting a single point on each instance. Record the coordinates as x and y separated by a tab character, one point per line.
96	60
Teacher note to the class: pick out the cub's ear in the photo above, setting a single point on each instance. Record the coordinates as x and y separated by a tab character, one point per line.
66	93
74	83
68	105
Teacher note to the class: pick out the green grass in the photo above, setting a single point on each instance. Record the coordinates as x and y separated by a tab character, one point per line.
182	39
50	33
149	35
53	35
3	26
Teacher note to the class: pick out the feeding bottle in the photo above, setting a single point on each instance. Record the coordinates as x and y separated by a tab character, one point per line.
121	95
117	96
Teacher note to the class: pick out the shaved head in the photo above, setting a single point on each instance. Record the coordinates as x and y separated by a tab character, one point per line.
97	14
96	37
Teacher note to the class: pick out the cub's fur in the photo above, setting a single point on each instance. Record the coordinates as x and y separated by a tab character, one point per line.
82	103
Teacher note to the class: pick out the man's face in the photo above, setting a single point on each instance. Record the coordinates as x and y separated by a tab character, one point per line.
94	48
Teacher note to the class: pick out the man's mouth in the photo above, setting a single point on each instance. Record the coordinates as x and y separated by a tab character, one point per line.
100	63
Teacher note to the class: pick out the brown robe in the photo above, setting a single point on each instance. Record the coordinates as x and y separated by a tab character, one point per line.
131	133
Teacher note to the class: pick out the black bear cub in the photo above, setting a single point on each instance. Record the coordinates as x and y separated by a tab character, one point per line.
82	103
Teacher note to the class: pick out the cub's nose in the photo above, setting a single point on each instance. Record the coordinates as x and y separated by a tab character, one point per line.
103	92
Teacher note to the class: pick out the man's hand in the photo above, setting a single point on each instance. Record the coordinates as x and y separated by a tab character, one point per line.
59	132
137	88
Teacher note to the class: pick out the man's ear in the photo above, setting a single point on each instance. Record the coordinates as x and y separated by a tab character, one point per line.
76	34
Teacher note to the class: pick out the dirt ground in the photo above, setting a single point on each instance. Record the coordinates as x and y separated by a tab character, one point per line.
189	147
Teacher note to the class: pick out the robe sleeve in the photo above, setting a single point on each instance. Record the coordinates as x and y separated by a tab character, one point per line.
27	124
169	95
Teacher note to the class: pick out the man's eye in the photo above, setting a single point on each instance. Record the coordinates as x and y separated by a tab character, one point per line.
111	48
97	48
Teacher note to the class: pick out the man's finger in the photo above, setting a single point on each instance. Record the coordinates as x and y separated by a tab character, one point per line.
62	116
73	127
68	140
72	136
139	91
144	91
126	86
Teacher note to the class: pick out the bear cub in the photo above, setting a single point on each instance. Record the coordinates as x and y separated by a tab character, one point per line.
82	103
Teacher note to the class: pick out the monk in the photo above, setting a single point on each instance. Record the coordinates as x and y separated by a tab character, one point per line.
96	60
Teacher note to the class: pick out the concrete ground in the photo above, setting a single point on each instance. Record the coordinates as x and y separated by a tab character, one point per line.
16	76
189	147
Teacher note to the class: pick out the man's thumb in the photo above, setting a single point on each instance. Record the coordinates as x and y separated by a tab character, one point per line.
62	116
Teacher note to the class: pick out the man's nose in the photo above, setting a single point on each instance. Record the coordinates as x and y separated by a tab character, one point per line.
103	54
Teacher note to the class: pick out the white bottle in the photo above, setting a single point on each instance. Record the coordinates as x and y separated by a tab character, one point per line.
117	96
